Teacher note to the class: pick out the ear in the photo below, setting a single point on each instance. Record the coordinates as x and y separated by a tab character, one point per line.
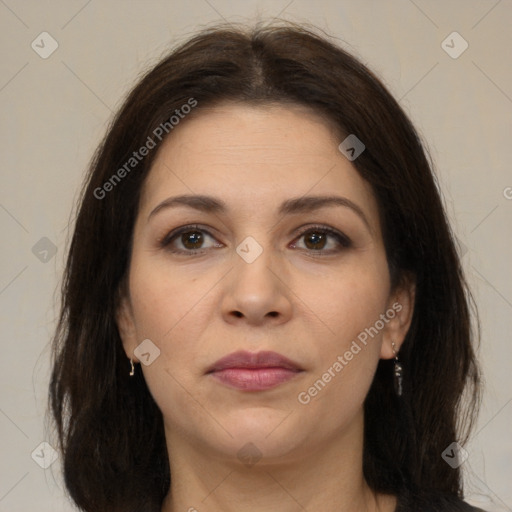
399	314
126	325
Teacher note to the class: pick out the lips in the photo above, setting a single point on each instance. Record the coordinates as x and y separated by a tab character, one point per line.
247	371
249	360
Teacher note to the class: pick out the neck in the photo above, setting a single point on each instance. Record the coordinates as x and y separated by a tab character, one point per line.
326	477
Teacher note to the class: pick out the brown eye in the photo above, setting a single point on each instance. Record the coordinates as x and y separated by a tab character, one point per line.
190	240
316	239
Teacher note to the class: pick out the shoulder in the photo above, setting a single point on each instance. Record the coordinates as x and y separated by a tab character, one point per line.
433	502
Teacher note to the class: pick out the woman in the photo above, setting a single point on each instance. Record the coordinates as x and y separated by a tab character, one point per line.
263	308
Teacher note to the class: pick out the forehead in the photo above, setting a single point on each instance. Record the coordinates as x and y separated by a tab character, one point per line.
255	157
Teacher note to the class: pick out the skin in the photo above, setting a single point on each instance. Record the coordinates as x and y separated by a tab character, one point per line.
290	299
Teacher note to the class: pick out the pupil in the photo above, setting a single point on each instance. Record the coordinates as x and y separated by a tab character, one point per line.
190	236
317	239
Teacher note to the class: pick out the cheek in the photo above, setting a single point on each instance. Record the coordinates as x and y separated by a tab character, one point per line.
352	300
163	298
174	309
167	309
351	306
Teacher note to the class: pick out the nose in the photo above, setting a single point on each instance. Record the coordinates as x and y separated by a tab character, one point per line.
256	292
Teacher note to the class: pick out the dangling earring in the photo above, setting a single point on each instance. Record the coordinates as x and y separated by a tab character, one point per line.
397	372
132	373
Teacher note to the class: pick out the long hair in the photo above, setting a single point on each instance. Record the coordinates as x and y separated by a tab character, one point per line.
110	430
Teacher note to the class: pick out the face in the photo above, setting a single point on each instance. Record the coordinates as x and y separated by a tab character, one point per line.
259	266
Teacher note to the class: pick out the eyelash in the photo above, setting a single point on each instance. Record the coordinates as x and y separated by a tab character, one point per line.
342	239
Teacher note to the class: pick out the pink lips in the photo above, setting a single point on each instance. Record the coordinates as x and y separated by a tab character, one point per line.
254	371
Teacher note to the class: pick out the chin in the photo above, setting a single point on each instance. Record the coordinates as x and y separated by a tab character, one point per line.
258	436
250	451
257	422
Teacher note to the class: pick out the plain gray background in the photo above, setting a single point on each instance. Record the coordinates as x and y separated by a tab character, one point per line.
55	111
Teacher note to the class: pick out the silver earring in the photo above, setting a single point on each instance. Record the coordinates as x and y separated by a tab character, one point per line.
397	372
132	373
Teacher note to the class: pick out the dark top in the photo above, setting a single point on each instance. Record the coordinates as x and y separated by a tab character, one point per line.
433	503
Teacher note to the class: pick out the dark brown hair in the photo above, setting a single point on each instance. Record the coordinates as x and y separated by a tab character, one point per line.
109	428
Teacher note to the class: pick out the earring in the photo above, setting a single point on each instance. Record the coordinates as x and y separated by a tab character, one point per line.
397	373
132	373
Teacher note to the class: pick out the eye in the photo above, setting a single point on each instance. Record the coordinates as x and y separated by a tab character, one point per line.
190	237
193	237
316	238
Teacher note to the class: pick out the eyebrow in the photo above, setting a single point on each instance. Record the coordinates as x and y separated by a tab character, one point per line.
305	204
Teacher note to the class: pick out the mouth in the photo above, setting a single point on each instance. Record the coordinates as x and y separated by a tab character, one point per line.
254	371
